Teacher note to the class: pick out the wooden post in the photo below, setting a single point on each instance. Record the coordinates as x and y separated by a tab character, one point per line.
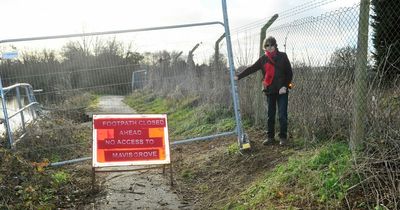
360	83
93	178
171	172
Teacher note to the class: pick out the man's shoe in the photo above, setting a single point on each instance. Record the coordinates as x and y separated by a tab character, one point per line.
283	142
269	141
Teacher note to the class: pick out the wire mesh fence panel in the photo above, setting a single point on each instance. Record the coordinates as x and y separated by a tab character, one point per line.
346	77
322	52
79	77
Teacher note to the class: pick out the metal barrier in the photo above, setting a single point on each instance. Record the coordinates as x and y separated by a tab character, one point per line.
31	106
62	76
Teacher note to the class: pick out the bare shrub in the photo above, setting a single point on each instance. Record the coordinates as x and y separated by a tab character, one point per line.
378	164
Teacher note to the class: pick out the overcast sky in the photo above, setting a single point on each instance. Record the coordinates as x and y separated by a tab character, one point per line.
27	18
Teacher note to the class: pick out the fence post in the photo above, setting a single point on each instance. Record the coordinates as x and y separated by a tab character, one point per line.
19	108
242	140
216	56
31	98
360	83
6	121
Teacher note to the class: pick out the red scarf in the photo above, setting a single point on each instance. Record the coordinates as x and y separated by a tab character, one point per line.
269	69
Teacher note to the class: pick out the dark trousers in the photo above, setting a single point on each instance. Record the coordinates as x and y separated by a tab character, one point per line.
282	101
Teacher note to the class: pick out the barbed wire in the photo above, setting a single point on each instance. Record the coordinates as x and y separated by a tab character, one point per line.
308	20
284	14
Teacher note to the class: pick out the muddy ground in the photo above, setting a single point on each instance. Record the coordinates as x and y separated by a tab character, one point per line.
205	176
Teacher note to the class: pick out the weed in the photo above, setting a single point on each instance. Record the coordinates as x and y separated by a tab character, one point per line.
60	178
187	174
203	188
233	149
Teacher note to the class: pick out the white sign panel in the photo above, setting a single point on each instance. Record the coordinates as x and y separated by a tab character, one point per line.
130	139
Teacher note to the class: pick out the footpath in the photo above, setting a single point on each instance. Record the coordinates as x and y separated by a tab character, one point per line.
144	189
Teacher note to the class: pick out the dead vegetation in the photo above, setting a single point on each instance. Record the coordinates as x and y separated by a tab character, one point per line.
28	182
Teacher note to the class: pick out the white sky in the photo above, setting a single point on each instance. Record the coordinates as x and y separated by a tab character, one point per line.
31	18
25	18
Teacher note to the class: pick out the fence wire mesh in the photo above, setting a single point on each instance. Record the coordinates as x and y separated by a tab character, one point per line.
323	52
338	88
96	74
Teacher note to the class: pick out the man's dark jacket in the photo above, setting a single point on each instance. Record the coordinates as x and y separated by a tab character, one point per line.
283	72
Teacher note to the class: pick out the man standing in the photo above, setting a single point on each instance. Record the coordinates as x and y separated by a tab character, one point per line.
277	78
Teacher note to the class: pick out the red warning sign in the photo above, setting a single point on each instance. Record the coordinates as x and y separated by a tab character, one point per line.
132	139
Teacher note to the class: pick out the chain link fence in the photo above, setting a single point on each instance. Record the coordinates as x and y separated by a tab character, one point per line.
77	78
323	52
341	90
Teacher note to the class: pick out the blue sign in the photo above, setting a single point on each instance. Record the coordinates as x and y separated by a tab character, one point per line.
9	55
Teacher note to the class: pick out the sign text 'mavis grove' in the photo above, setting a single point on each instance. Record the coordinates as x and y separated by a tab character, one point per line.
131	155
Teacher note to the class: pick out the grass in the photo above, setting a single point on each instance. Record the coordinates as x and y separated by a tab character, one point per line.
186	118
315	179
